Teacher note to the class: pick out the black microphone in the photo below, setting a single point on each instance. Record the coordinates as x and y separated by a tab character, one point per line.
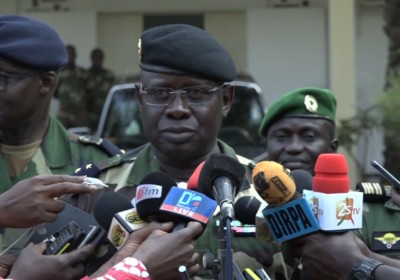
221	178
118	216
302	180
150	194
246	209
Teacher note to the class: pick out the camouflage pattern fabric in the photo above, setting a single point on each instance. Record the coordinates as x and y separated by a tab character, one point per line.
249	252
71	92
380	229
60	153
99	82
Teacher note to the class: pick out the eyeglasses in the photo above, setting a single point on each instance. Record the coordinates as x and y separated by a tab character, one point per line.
4	77
193	95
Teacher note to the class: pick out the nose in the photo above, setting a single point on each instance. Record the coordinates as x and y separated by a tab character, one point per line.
294	145
178	107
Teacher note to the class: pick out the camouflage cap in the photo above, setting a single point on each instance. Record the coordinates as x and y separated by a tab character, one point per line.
302	102
31	42
185	49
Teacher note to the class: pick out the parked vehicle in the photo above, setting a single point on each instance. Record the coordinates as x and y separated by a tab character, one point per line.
120	119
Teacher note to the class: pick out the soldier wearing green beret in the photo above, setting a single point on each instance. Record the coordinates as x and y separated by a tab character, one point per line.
184	95
31	141
300	126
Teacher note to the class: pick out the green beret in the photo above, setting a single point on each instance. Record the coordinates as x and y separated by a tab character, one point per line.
31	42
302	102
184	49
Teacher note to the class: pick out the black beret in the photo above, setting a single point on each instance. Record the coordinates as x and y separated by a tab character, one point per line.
31	42
185	49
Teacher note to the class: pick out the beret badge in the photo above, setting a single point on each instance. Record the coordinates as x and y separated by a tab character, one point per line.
311	103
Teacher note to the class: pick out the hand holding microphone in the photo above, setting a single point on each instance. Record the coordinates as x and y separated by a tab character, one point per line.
32	201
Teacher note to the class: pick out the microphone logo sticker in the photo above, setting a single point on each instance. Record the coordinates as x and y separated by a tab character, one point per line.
133	218
315	208
189	204
117	235
189	200
148	191
345	210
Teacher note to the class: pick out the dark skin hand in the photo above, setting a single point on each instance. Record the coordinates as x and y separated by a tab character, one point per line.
161	252
341	253
31	201
32	265
395	196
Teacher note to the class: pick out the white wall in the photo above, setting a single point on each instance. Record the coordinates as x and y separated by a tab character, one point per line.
287	49
77	28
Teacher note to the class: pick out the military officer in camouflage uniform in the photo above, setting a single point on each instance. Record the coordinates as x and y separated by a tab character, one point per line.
298	127
381	218
31	141
99	82
184	95
71	92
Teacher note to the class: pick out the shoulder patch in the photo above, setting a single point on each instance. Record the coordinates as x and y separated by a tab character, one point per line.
102	143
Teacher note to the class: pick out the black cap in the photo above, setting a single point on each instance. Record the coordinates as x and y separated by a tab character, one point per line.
31	42
185	49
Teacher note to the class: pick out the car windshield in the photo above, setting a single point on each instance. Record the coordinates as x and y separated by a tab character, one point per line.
120	120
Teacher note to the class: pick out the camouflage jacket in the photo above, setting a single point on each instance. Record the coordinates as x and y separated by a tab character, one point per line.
380	229
249	252
60	152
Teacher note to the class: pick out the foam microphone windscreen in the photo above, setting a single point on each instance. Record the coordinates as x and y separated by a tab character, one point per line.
219	165
330	174
273	182
246	209
108	205
302	180
150	194
193	182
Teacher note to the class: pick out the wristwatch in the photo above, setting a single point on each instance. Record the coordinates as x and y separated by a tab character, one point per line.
365	270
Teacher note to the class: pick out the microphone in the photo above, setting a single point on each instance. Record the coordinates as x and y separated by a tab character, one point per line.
116	213
334	205
150	194
288	214
221	178
246	208
193	182
187	205
302	179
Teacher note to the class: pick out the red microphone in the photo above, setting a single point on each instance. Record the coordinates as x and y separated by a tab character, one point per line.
334	205
331	174
193	182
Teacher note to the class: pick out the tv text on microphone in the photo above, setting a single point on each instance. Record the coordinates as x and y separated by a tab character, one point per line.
288	215
334	206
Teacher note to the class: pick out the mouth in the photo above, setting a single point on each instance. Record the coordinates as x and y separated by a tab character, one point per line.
295	164
177	135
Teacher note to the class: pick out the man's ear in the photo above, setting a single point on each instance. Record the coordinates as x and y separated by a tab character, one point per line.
48	82
227	99
334	145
